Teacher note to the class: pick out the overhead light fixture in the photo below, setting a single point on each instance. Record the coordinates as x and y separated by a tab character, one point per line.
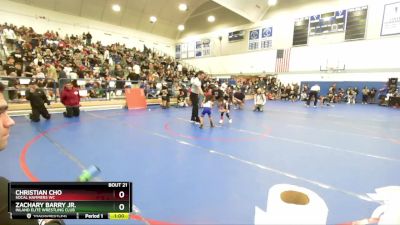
181	27
272	2
116	7
153	19
183	7
211	19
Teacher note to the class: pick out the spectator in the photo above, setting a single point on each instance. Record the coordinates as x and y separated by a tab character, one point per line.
9	67
39	61
120	76
238	99
372	95
351	96
182	98
356	91
17	55
71	99
133	76
259	101
11	71
10	37
27	58
88	38
165	97
365	93
18	70
30	70
89	60
96	91
296	89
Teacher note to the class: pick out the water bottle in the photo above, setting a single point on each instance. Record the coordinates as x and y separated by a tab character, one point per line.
89	173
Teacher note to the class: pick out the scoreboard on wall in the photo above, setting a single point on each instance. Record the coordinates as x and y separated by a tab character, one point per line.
70	200
350	21
300	31
356	23
327	22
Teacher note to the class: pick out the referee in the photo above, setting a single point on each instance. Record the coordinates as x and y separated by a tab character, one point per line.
315	89
194	95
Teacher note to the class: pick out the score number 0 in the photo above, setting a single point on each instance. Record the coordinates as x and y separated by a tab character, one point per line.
121	195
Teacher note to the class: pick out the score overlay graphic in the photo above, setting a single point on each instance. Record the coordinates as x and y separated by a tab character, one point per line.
69	200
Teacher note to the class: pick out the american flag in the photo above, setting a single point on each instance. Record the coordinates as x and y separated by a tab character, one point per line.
282	60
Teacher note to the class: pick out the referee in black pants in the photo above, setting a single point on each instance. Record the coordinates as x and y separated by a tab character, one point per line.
194	95
313	92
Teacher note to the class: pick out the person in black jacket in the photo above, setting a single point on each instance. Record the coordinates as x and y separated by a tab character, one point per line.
37	98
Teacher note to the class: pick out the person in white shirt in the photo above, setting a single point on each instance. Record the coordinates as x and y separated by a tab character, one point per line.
180	67
259	101
224	86
194	95
315	89
10	37
106	54
136	69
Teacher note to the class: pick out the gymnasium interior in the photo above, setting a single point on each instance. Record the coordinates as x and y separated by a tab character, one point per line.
213	111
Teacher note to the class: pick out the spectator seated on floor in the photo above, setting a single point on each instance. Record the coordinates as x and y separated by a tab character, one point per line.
284	96
182	98
270	96
372	95
325	101
238	99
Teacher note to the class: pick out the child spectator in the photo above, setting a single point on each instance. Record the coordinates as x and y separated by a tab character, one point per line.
372	95
365	93
351	96
238	99
259	101
181	99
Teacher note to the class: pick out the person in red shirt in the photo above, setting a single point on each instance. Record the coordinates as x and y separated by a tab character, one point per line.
71	99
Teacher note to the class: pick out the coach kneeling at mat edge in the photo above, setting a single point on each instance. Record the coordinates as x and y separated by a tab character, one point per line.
5	124
37	98
70	98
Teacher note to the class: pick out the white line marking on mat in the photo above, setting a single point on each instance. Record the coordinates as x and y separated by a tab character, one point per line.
273	170
329	148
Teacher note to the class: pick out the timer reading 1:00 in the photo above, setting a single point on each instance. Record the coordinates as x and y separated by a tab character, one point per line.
118	216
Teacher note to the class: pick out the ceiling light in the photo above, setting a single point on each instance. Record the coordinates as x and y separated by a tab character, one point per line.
153	19
116	7
211	19
181	27
183	7
272	2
